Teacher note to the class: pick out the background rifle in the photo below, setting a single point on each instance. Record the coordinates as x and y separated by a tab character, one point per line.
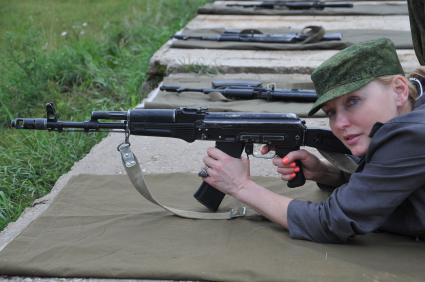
248	89
294	5
233	132
237	36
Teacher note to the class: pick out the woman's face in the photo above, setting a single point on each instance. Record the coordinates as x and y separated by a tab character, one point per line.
352	116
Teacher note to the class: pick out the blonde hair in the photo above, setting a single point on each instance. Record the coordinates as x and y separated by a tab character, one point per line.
418	74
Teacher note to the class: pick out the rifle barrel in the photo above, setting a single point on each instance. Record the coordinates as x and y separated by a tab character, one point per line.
45	124
114	115
296	95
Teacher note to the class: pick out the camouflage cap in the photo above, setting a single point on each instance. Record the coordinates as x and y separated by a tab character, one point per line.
353	68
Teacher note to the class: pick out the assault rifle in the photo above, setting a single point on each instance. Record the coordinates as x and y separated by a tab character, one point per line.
248	89
238	36
233	132
294	5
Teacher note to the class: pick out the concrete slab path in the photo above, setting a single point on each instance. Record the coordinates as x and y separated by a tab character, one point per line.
242	61
238	61
400	22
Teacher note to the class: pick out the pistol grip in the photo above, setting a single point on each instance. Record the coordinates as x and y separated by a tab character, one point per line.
208	195
299	179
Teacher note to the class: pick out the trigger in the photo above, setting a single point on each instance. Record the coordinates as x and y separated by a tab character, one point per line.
249	149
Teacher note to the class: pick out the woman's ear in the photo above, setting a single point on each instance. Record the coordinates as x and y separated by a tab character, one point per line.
400	86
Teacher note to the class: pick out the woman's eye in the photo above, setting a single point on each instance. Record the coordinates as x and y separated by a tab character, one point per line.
352	101
329	113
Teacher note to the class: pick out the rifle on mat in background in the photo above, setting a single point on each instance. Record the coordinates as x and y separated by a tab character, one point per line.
233	133
248	89
255	36
295	5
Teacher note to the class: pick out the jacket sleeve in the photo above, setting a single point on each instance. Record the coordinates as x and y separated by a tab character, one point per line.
394	168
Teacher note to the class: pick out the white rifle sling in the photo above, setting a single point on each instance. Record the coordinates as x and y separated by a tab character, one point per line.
135	174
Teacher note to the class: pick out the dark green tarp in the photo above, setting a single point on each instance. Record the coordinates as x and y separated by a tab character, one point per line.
170	100
401	39
99	227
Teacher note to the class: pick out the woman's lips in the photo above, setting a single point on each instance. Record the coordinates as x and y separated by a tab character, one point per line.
351	139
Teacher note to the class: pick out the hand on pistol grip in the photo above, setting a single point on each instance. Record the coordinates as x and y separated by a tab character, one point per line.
299	179
208	195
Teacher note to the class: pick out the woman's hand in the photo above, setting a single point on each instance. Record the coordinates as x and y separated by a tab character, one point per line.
313	168
225	173
231	176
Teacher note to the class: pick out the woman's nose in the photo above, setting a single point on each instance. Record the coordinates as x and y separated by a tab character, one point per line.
341	121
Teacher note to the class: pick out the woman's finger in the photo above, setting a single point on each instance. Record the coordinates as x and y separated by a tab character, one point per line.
210	162
216	153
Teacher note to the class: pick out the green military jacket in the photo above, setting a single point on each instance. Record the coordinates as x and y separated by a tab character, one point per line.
417	26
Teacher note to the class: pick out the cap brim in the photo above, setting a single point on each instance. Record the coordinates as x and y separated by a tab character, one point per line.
337	92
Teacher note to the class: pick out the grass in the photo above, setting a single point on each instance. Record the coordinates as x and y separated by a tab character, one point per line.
81	55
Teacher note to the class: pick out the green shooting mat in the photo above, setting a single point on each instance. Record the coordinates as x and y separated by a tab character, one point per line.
401	39
359	8
169	100
99	227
